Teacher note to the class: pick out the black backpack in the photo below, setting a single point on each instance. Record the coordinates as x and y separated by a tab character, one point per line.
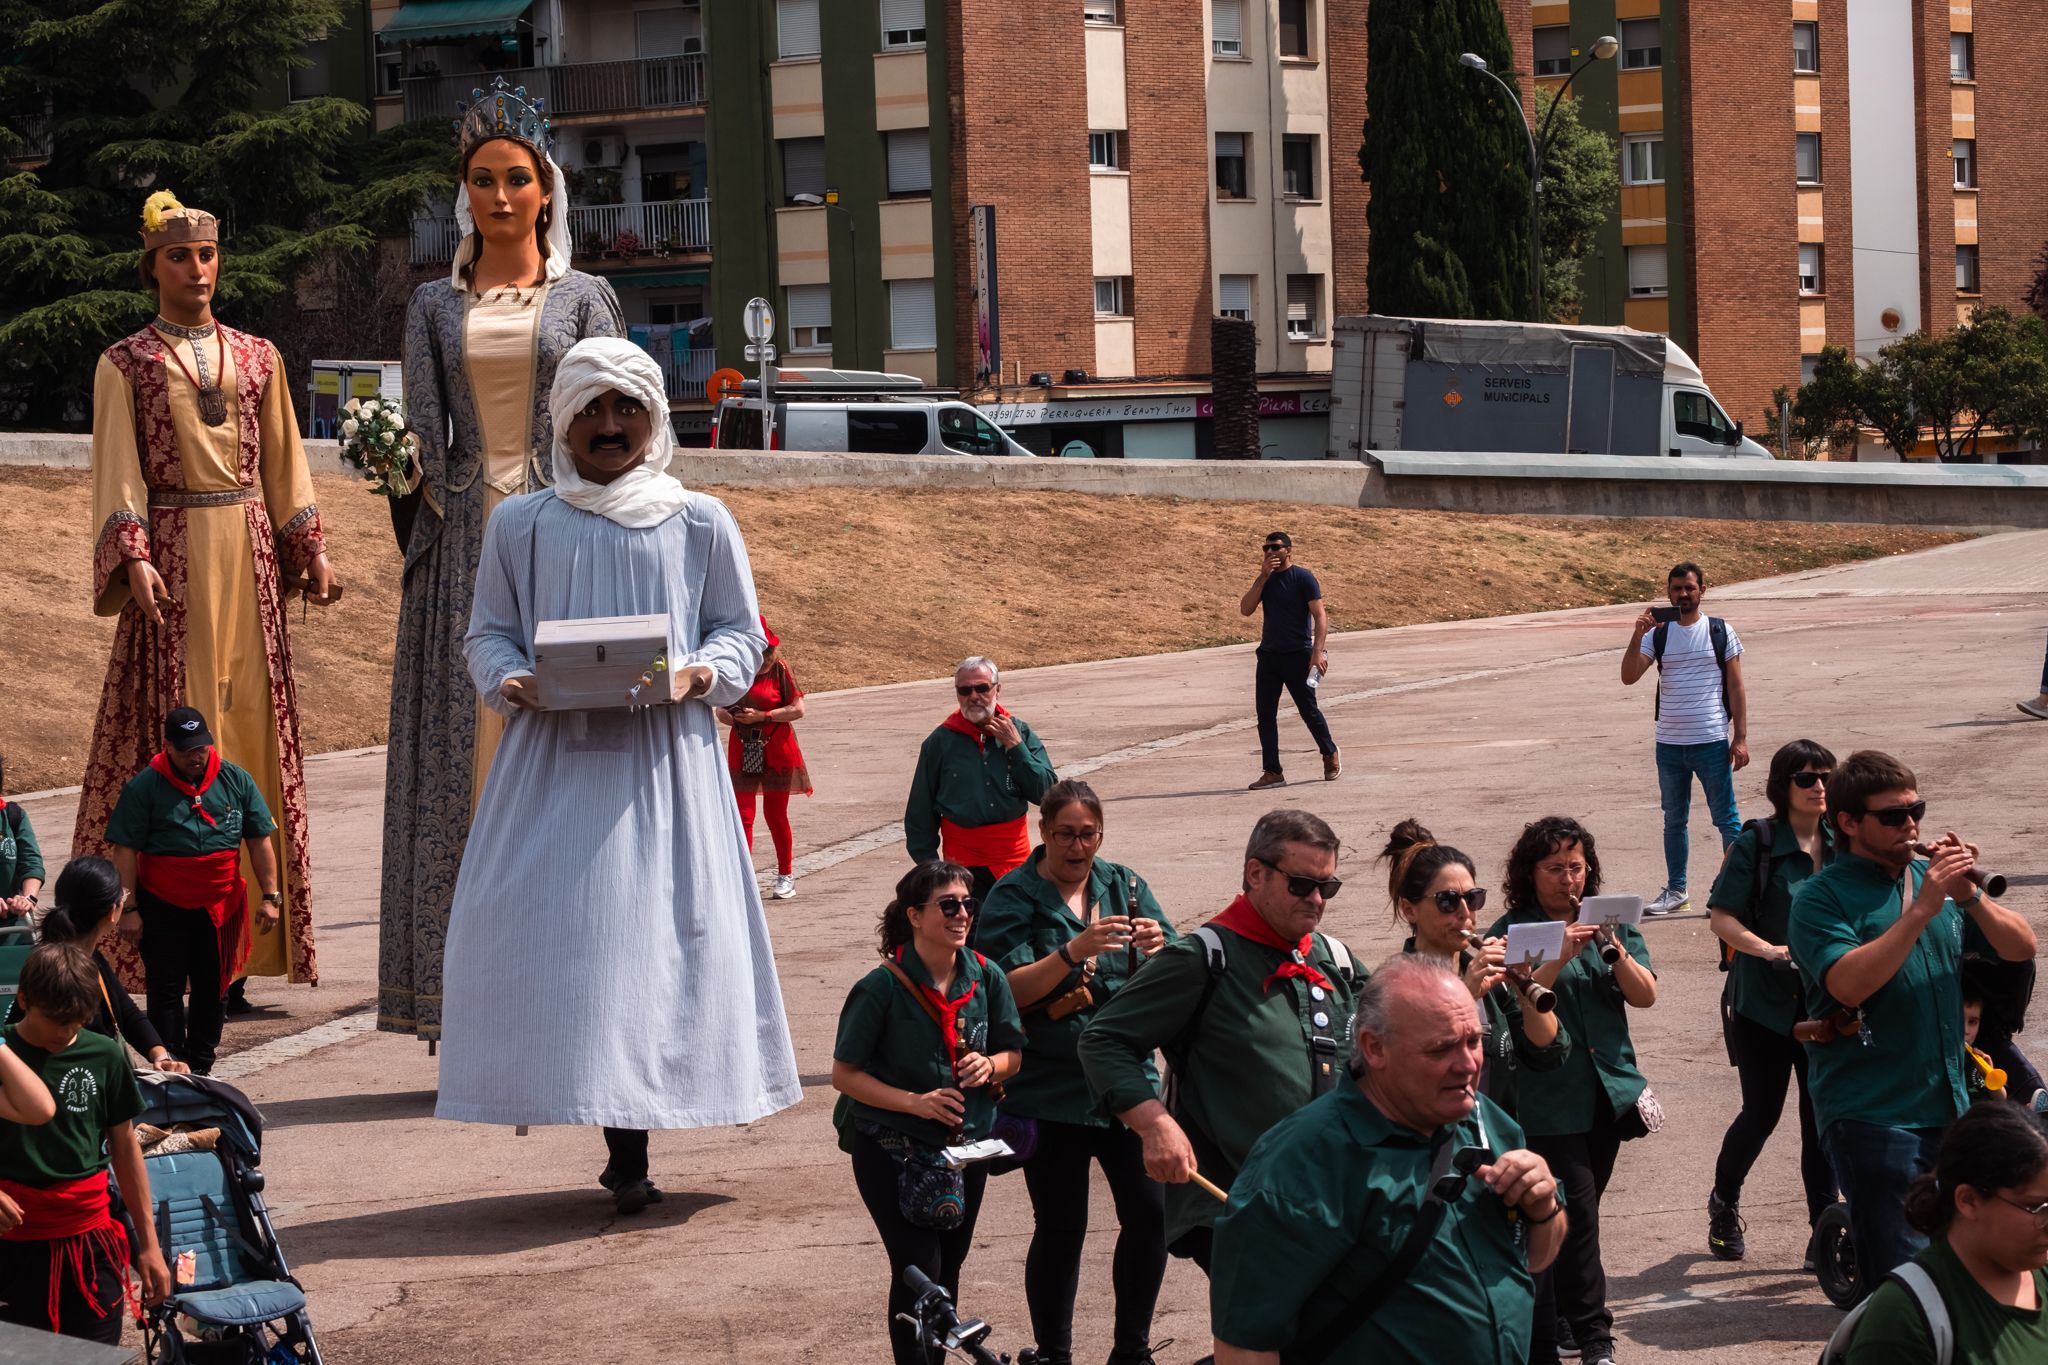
1717	635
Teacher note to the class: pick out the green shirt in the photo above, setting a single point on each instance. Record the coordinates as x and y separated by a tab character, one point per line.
1327	1199
1768	993
1024	920
95	1090
1244	1066
1603	1056
1508	1048
972	783
152	816
1893	1330
887	1034
1911	1074
20	856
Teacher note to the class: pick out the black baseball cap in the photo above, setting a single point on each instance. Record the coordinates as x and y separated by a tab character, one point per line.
185	730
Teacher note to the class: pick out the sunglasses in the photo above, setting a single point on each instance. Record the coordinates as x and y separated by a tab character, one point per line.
1895	817
976	689
1448	901
952	907
1299	887
1809	778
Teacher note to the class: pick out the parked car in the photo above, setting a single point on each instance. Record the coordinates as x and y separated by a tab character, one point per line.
860	413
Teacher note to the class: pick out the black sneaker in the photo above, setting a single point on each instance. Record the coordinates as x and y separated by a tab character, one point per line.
1567	1344
1724	1230
237	999
635	1197
1599	1353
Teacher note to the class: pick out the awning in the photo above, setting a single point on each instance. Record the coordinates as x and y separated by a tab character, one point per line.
657	279
427	21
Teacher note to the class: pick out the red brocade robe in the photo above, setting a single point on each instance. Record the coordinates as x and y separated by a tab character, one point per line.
221	512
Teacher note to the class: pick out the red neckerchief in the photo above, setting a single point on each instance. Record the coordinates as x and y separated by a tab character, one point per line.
949	1011
1242	918
162	764
958	722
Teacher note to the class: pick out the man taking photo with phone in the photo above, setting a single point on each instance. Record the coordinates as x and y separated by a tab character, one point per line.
1702	717
1293	654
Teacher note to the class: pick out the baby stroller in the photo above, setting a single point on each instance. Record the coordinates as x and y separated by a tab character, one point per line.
240	1304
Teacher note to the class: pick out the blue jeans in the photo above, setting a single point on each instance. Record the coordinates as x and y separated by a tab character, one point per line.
1874	1165
1677	765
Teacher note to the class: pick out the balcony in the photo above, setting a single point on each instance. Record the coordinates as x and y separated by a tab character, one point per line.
664	227
575	90
684	372
34	145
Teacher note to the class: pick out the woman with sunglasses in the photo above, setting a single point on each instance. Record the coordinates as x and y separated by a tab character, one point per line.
1070	928
924	1042
1433	893
1577	1116
1750	909
1985	1207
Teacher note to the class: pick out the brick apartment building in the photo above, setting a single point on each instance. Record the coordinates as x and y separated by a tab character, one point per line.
1804	173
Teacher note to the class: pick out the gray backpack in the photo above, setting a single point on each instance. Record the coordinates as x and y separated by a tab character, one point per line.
1933	1308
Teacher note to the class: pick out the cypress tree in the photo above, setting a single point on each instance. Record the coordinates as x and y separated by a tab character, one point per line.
100	103
1448	161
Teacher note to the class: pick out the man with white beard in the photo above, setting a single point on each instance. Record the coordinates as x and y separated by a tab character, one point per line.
978	775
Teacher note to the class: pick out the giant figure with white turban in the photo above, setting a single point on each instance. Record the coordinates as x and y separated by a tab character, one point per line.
608	959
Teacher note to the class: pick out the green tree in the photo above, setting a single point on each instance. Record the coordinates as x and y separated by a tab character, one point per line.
1447	158
1826	410
1989	374
107	101
1581	187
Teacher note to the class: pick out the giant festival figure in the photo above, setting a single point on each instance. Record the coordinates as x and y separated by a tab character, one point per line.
207	526
480	352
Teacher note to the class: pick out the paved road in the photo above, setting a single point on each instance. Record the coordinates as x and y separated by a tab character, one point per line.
414	1235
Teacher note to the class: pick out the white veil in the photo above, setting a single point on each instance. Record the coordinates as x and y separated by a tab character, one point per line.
558	228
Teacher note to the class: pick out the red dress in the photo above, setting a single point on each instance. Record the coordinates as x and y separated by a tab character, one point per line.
781	768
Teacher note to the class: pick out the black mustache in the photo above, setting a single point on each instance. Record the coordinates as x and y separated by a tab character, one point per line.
598	443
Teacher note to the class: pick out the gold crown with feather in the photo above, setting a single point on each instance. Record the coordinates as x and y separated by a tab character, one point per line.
166	222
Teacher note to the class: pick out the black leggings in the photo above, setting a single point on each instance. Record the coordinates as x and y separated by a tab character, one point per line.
626	1150
1057	1178
938	1254
181	945
1575	1286
1764	1061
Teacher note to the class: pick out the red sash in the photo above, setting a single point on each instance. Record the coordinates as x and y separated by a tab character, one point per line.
1242	918
1001	848
211	882
74	1218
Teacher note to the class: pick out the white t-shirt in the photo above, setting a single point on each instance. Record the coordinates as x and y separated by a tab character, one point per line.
1689	705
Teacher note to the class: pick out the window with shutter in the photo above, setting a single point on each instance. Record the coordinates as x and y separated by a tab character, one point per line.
1226	27
1806	47
1809	268
1964	150
910	161
1101	11
1642	44
902	23
1234	296
1303	293
1553	49
796	28
1966	270
808	308
1294	28
803	167
912	321
1298	167
1806	151
1231	176
1646	271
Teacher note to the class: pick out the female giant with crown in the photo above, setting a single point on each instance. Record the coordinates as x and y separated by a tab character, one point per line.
480	353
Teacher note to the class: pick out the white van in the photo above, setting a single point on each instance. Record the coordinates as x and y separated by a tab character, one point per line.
869	425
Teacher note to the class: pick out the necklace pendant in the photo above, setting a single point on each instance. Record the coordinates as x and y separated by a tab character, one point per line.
213	406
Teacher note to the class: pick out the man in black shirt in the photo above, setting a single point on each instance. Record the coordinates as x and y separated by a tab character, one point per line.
1292	653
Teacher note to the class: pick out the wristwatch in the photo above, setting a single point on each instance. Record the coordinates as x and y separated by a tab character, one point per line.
275	898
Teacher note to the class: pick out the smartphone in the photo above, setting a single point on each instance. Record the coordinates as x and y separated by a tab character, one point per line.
1664	614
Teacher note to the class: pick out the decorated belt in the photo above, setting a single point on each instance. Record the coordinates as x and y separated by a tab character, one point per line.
226	497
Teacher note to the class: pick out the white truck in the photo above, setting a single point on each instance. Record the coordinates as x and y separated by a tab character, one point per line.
1521	388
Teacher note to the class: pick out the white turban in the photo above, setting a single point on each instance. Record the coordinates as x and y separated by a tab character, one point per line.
647	494
557	263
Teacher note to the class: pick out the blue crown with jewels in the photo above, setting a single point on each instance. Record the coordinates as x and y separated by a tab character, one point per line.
503	111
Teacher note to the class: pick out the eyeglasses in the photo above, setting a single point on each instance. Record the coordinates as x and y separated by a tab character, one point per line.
1809	778
1075	836
1895	817
1299	887
1562	869
952	907
1449	901
975	689
2039	1211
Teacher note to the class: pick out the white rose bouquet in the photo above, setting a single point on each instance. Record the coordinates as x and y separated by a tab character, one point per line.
374	440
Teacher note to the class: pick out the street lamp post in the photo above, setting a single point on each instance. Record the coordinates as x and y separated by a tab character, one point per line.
1604	49
828	201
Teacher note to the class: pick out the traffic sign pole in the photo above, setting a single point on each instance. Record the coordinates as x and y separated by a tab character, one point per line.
760	330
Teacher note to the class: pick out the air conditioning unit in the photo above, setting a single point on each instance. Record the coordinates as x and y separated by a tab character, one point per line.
605	149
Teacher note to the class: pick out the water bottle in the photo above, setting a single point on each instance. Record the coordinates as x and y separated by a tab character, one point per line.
1315	678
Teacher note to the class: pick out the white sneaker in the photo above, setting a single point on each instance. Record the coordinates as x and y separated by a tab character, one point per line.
1668	902
785	887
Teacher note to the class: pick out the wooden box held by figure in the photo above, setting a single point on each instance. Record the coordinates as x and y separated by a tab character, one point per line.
602	662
